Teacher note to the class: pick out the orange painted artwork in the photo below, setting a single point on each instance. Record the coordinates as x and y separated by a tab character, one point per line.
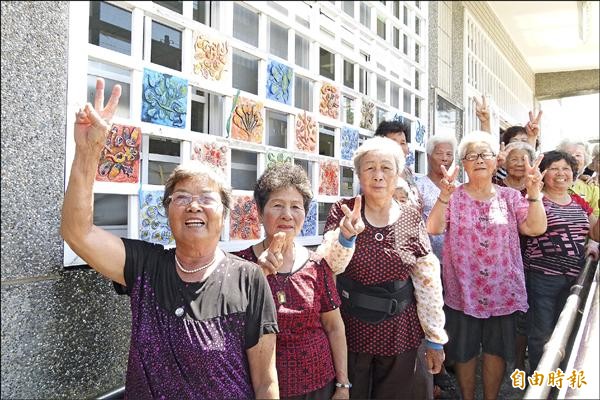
329	181
120	158
306	133
330	101
247	121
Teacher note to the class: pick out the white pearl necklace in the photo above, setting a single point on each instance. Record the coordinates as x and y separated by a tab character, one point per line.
192	271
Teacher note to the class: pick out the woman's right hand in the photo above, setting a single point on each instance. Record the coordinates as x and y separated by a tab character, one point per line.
447	185
93	123
271	259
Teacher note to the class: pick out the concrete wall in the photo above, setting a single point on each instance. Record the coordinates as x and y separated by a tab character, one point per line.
65	334
555	85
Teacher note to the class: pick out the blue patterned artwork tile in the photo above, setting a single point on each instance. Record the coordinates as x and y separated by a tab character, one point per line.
310	221
154	225
164	99
279	82
349	141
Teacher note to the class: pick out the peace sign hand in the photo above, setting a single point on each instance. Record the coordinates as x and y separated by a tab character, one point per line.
447	182
481	110
271	259
352	224
533	126
92	124
502	155
533	177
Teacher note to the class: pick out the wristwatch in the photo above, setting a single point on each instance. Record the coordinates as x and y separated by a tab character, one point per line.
343	385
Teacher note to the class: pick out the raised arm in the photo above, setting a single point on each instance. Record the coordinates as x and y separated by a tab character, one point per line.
482	112
533	128
102	250
436	222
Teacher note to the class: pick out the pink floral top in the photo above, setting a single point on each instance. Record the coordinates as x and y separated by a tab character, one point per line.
483	269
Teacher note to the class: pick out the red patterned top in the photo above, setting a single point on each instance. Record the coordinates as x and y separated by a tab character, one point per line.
303	358
375	262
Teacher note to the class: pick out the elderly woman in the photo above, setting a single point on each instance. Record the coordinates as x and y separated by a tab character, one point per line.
587	191
311	346
517	154
484	283
203	322
554	259
392	266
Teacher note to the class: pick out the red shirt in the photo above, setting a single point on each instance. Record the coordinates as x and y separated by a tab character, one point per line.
378	261
303	358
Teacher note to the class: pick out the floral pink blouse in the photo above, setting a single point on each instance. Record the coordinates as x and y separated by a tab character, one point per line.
483	269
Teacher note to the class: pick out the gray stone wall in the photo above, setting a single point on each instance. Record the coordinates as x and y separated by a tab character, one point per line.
555	85
65	334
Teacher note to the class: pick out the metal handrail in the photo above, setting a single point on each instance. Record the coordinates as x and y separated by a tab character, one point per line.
117	393
555	349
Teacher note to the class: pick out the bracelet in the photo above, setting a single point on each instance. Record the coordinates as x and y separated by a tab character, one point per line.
532	200
343	385
442	201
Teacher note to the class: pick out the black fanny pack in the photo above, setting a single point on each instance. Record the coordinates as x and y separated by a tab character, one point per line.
374	304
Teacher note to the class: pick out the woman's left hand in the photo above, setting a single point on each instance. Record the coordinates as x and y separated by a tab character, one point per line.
341	393
533	176
352	224
435	360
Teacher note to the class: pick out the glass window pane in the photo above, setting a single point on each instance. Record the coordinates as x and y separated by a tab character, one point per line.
323	212
380	89
278	40
363	78
405	44
326	63
348	7
379	115
164	146
302	52
303	93
396	37
326	141
346	182
396	9
176	6
246	25
243	170
107	70
110	209
110	27
365	14
348	110
407	101
198	116
245	72
405	16
417	107
417	80
417	53
201	11
394	96
381	28
349	74
276	128
166	46
417	25
306	165
159	171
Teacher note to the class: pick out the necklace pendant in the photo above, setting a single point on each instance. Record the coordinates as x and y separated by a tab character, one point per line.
281	297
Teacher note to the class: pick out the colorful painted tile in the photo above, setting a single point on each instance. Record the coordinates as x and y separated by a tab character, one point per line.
310	221
120	157
329	105
154	225
247	121
244	223
420	133
410	159
211	152
278	157
211	57
329	178
367	113
279	82
164	99
349	142
306	133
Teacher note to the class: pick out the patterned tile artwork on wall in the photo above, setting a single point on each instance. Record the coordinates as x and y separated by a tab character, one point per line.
329	178
349	142
211	152
120	158
279	82
410	159
211	57
420	133
243	222
154	225
278	157
247	121
306	133
310	221
164	99
367	113
330	101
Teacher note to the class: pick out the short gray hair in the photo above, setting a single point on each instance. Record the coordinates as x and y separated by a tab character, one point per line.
439	139
565	143
521	146
195	169
382	145
477	137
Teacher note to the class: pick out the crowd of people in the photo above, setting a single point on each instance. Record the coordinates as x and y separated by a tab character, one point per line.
415	275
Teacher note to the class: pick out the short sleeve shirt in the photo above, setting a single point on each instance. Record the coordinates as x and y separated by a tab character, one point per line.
384	254
429	193
304	360
189	340
483	269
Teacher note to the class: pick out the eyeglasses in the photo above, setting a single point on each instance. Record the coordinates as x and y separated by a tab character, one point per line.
205	199
475	156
